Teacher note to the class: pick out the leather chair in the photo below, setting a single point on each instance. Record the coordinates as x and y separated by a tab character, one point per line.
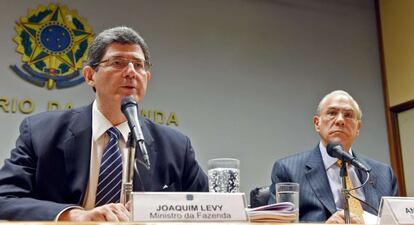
259	196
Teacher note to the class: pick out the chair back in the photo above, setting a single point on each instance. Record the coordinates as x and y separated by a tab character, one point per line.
259	196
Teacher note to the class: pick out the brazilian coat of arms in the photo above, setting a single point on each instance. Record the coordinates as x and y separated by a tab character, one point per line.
53	42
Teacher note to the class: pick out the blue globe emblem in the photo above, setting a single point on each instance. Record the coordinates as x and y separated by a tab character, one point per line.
55	38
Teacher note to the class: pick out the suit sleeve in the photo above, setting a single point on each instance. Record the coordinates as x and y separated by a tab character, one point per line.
194	178
278	175
394	185
18	183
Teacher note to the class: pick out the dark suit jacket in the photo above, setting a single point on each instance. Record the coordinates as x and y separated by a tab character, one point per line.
316	202
48	170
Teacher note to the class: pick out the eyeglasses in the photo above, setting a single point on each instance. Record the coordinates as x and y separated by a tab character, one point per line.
119	63
346	114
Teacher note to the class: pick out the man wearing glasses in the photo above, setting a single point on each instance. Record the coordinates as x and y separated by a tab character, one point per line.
68	165
337	120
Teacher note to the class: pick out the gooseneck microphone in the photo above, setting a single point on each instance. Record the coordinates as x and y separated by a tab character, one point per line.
130	109
336	150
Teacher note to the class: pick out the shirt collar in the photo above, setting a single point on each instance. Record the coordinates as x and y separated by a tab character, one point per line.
100	124
328	161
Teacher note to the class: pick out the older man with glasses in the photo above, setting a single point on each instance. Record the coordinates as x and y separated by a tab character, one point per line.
337	120
69	165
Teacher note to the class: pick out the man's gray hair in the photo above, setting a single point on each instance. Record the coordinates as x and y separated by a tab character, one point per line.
122	35
343	93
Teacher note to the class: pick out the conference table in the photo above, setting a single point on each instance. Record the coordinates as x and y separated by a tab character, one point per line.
145	223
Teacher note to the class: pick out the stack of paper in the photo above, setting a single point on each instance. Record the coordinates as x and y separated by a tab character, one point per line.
283	212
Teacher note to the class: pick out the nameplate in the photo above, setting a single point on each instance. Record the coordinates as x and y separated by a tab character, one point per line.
396	210
188	206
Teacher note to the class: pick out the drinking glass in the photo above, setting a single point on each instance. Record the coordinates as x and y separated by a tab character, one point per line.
288	192
224	175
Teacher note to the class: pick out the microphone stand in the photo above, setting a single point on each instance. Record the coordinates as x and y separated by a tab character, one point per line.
345	192
128	185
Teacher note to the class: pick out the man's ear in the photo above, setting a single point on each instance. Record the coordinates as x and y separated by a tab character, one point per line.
149	76
88	73
359	127
316	123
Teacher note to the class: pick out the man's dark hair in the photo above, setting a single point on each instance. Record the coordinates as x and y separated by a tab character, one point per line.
122	35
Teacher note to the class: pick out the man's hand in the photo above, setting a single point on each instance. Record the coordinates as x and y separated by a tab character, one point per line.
339	217
110	212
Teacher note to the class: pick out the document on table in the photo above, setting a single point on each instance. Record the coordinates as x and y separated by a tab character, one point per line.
283	212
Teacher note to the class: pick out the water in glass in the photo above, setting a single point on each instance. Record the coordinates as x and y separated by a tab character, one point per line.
226	180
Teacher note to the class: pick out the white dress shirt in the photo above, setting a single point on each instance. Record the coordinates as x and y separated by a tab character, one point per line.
99	141
335	181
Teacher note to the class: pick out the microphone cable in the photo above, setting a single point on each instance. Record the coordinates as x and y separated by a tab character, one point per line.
360	200
139	176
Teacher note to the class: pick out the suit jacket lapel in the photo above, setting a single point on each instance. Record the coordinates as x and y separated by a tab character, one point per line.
318	180
77	150
370	188
143	177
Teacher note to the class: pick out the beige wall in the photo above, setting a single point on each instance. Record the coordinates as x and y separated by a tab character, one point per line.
406	128
397	21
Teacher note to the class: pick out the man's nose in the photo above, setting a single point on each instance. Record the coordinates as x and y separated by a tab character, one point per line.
340	120
130	70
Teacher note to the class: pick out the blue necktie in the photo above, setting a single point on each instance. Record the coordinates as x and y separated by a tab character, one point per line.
110	173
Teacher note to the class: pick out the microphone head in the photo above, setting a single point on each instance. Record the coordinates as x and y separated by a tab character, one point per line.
334	149
127	102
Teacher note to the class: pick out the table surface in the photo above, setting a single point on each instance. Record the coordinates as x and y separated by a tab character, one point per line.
143	223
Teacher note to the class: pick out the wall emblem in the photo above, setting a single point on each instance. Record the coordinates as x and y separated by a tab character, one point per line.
53	42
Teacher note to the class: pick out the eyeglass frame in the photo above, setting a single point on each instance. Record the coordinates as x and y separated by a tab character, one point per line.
145	63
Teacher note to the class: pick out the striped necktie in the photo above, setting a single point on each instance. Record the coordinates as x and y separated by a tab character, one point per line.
355	206
110	172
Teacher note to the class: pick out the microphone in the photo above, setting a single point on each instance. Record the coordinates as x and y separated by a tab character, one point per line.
335	150
130	109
